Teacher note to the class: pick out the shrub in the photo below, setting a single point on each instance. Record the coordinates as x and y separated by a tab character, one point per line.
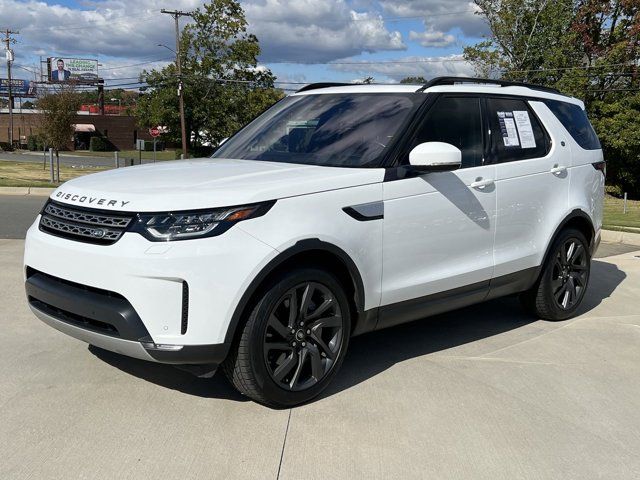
32	143
98	144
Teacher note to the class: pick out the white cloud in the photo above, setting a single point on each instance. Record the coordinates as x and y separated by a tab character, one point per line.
123	31
309	31
128	31
432	38
428	67
440	15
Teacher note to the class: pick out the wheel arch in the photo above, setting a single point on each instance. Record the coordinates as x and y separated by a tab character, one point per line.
577	219
309	251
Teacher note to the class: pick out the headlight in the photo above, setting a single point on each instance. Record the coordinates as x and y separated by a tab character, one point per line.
164	227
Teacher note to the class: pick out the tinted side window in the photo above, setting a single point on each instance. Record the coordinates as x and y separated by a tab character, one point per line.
576	122
516	133
458	121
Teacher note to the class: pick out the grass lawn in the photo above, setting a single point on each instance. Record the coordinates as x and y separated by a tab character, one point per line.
614	216
22	174
164	155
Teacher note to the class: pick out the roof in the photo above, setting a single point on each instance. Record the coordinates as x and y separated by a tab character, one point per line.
490	88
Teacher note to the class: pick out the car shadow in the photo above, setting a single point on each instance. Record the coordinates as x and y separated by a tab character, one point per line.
171	377
375	352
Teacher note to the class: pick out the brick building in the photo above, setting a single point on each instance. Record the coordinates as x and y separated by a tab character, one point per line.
121	131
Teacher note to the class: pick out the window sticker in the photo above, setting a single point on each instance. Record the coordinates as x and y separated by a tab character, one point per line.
508	129
523	123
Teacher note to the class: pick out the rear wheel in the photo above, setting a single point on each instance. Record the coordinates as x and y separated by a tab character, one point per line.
293	341
564	278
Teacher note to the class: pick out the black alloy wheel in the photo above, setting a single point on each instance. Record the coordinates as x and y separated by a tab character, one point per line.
294	338
563	280
303	336
570	274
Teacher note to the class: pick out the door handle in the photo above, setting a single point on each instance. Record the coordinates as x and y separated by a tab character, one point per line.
481	184
558	169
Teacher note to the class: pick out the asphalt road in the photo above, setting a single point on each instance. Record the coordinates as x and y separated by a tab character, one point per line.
17	213
485	392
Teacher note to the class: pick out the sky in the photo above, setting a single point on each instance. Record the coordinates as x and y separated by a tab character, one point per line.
301	40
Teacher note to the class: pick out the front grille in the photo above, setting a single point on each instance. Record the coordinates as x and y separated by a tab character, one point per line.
83	224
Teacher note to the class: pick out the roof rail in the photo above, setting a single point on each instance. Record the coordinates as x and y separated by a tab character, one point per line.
503	83
315	86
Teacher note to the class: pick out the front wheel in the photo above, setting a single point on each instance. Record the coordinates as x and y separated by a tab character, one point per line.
564	279
293	341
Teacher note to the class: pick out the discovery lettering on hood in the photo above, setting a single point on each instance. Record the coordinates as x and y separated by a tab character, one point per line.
88	200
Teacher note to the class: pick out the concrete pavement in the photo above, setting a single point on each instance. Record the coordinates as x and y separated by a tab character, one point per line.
484	392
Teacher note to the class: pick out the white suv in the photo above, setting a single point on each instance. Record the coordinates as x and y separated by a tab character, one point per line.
340	210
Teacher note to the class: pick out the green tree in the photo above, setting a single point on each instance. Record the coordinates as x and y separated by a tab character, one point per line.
528	37
414	80
589	49
59	108
224	88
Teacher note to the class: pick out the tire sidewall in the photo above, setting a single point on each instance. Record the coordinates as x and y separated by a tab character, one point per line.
258	323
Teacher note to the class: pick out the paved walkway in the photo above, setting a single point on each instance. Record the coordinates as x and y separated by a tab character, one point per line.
482	393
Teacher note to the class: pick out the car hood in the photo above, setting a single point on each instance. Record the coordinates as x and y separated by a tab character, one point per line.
206	182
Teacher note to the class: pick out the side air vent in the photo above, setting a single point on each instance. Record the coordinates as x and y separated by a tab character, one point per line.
185	307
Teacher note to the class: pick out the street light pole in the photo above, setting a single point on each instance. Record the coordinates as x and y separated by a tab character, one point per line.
176	14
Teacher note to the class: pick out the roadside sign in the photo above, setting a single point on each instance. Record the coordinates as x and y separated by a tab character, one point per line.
140	145
154	132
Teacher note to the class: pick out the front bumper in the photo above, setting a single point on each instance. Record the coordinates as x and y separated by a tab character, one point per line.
145	295
107	320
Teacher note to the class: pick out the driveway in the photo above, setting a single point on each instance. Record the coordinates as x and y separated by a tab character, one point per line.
483	393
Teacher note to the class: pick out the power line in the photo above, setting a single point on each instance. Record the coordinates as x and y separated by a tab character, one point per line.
163	59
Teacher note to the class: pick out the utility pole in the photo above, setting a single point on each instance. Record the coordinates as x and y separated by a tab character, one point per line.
8	41
176	14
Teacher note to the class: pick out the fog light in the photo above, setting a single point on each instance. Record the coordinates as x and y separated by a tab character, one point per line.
159	346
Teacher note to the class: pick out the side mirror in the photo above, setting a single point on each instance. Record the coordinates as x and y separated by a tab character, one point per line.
435	157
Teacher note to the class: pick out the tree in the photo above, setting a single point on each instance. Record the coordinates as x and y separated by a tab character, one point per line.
224	88
59	108
526	36
589	49
414	80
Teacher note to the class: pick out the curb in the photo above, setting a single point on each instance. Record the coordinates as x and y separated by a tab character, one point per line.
627	238
35	191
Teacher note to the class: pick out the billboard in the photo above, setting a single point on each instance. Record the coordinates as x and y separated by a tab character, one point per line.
78	70
19	87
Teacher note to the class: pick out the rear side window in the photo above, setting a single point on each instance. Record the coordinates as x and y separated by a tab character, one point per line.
457	121
516	133
575	120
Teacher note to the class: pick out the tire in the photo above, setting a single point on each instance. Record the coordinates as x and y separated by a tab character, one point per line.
293	341
564	278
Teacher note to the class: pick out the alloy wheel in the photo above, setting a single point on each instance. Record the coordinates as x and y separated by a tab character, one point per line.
303	337
570	274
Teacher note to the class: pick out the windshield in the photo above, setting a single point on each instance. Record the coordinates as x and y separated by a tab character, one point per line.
340	130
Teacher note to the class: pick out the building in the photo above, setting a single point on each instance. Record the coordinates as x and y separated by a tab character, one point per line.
120	131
